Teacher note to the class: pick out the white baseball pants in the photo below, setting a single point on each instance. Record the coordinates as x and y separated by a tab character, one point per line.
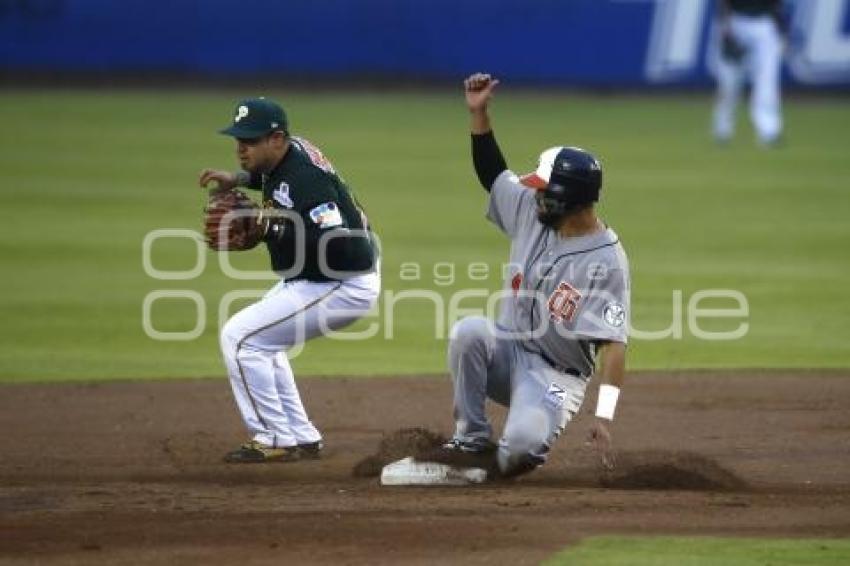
253	343
541	400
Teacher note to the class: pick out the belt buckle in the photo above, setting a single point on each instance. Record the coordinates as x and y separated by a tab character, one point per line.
567	371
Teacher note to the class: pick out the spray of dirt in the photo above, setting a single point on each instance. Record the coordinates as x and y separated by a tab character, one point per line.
400	444
670	471
638	470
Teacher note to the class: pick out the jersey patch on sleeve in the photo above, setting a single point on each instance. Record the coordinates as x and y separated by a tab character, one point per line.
614	314
326	215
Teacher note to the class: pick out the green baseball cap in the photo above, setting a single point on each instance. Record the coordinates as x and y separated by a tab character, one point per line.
256	117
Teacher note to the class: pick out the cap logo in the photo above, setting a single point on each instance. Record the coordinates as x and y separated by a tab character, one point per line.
241	112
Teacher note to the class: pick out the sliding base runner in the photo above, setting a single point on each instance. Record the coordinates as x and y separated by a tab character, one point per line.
564	307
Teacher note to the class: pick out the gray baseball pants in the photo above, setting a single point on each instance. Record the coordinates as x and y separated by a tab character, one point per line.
541	400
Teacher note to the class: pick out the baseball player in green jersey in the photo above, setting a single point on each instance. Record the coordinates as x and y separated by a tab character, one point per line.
565	306
321	246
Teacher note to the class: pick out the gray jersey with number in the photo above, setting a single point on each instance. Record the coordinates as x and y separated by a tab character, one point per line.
562	295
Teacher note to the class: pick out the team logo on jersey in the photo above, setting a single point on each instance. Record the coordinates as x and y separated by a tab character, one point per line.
614	315
281	195
326	215
516	283
563	303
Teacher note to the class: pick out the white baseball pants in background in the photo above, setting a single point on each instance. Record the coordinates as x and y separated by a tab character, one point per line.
762	43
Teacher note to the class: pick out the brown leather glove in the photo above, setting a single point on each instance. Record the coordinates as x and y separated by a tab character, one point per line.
233	221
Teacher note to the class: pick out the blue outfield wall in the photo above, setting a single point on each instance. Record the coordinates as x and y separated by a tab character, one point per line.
633	43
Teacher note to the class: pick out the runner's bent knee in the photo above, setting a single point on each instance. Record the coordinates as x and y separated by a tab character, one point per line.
471	332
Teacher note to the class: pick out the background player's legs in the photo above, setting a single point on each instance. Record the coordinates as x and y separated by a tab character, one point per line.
253	338
480	365
730	78
543	402
765	103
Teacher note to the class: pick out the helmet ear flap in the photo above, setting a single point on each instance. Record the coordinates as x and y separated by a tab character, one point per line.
551	205
556	197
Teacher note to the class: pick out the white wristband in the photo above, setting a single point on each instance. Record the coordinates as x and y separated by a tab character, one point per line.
607	401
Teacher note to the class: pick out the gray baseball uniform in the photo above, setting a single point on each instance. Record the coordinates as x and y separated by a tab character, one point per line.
562	296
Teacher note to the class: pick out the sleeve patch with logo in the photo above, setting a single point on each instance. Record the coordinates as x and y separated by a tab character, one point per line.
614	315
326	215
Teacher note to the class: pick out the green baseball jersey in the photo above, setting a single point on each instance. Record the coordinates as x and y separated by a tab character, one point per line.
325	235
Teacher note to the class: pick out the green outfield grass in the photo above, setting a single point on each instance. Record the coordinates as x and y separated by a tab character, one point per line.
86	175
704	552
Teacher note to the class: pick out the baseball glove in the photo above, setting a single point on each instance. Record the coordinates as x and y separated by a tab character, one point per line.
232	221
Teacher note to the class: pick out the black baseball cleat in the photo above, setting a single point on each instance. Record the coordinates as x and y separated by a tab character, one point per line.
477	446
311	450
479	453
255	453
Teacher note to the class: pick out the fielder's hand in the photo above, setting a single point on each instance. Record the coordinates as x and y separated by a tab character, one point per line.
479	90
599	439
224	180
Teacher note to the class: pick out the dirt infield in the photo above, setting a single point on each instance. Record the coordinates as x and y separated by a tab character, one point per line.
131	472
